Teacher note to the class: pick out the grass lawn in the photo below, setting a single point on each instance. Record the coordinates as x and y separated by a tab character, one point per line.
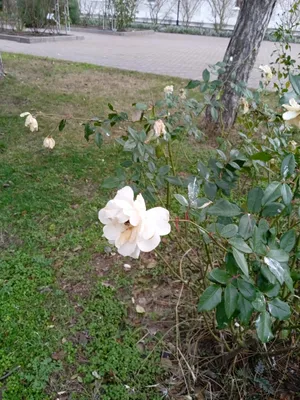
64	333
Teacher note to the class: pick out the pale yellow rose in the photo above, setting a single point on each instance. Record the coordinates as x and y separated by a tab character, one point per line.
292	115
267	71
159	128
30	121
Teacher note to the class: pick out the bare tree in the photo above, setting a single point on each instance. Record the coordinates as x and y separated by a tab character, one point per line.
221	10
188	10
240	57
290	13
159	10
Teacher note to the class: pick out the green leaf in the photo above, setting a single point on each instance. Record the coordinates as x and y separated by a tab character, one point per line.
229	231
210	298
245	308
271	193
288	166
261	156
62	125
254	199
240	245
246	226
276	269
258	241
206	75
88	131
231	265
268	274
224	208
247	289
231	299
259	303
111	182
279	309
181	199
273	209
219	276
214	113
286	193
221	316
263	327
288	240
295	82
241	261
164	170
279	255
98	139
210	190
141	106
193	84
110	106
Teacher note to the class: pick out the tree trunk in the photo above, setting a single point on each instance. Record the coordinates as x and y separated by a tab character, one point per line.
240	57
1	68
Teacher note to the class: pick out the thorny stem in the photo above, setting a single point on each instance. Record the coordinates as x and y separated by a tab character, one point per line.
202	230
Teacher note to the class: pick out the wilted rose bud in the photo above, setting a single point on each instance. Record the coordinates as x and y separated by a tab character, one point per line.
49	143
169	90
159	128
293	145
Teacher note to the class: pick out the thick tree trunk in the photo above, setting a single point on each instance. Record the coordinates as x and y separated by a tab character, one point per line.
240	56
1	68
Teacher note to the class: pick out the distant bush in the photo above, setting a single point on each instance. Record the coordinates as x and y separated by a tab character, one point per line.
33	13
74	11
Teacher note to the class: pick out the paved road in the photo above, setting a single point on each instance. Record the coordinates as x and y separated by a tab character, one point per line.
178	55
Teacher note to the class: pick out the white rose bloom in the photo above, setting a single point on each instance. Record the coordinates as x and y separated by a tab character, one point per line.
30	121
49	143
292	115
159	128
169	90
266	69
130	227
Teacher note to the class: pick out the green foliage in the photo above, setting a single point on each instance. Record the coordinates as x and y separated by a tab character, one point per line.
74	10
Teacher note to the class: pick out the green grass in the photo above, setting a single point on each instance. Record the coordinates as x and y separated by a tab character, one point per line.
61	329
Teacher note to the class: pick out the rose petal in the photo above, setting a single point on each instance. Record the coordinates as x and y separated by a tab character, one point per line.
147	245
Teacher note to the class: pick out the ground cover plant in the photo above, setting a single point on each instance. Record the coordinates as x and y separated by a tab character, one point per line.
205	304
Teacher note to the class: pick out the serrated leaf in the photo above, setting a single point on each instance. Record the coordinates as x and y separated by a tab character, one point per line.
246	310
263	327
240	245
62	125
231	298
228	231
219	276
210	298
246	226
206	75
261	156
276	269
241	261
271	193
247	289
259	303
273	209
210	190
181	199
254	199
98	139
221	317
288	166
288	240
286	193
224	208
193	84
279	309
279	255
